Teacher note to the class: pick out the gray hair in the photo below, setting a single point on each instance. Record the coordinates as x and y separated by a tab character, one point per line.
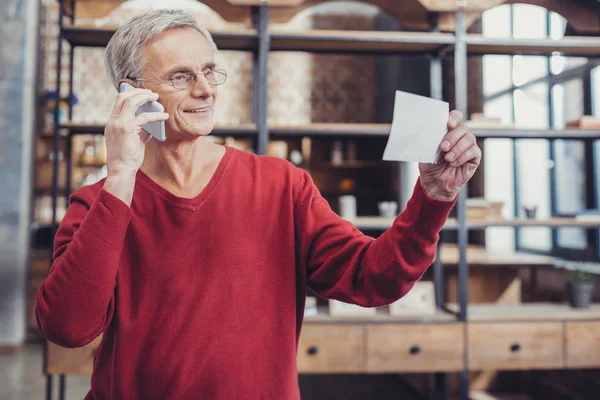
124	52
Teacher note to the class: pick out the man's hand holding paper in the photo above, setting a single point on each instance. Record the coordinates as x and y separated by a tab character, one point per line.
424	131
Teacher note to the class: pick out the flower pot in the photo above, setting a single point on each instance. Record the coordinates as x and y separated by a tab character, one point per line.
580	294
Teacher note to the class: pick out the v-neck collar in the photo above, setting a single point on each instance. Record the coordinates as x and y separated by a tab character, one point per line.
191	203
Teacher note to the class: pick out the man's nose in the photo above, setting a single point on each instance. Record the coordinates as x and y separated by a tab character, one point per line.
201	88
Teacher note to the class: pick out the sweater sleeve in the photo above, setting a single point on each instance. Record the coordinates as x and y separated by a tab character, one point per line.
344	264
75	303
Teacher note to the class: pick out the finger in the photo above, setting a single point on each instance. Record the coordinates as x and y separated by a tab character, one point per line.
463	144
147	117
454	119
452	137
134	102
123	96
471	155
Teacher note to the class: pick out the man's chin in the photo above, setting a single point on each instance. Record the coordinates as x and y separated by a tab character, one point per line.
201	129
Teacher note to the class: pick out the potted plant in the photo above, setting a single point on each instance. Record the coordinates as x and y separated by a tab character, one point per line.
580	288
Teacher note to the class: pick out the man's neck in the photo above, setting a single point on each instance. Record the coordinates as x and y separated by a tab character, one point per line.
179	165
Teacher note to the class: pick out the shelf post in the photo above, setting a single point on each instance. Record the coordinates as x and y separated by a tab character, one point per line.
460	83
61	9
69	144
460	76
260	19
436	92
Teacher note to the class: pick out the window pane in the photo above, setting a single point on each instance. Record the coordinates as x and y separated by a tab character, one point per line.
531	106
557	26
568	102
558	64
498	178
496	73
572	238
597	166
570	189
499	108
534	190
528	68
570	176
596	90
530	22
496	22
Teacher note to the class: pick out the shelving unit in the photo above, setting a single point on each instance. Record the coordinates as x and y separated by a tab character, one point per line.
382	223
439	343
91	36
529	312
567	46
362	42
80	129
500	133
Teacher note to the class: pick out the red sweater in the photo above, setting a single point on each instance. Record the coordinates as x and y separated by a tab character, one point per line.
204	297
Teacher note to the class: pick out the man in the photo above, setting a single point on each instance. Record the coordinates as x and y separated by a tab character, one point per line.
193	258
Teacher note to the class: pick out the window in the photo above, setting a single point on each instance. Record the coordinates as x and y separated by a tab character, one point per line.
531	92
596	90
496	22
531	106
499	187
534	191
569	156
595	80
530	22
497	74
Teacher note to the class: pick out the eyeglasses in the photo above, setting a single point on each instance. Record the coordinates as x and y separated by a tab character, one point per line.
184	80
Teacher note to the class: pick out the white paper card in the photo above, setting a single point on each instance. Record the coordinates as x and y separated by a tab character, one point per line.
419	125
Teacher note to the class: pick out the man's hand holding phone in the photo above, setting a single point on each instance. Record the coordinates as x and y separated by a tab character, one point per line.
126	140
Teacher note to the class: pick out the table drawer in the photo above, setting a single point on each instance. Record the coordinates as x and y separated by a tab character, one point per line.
515	346
583	344
415	347
331	348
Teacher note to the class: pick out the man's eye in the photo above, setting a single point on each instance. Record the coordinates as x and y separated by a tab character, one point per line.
179	77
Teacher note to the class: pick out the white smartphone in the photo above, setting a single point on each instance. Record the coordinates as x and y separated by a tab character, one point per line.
156	129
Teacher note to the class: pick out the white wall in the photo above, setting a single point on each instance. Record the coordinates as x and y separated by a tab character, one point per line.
17	108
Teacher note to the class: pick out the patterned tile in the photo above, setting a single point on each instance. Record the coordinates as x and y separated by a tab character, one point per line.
301	87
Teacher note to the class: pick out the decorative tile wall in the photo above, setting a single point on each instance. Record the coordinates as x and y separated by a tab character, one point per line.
302	87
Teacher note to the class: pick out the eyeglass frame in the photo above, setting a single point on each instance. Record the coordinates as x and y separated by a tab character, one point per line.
194	80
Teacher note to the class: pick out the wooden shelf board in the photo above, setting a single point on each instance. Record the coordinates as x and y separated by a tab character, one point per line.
479	256
239	130
382	223
350	130
331	129
92	36
523	222
382	316
349	41
351	165
516	133
572	46
527	312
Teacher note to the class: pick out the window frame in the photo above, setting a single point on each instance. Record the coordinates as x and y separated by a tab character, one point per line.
592	148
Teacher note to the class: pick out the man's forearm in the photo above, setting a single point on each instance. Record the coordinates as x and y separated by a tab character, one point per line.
73	304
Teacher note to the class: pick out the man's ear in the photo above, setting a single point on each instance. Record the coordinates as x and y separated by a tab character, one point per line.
126	80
